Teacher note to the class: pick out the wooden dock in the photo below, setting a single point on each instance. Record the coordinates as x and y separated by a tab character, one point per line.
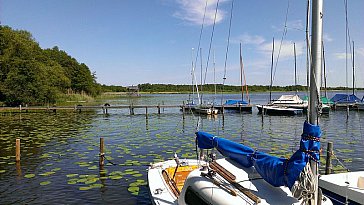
79	108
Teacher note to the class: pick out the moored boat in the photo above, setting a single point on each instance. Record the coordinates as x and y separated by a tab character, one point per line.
344	187
278	110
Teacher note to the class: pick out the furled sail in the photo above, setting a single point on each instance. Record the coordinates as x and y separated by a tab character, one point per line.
276	171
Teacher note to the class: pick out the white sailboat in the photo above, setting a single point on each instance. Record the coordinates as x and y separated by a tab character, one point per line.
244	175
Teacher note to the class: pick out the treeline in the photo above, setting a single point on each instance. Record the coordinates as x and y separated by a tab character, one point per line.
211	88
32	75
147	87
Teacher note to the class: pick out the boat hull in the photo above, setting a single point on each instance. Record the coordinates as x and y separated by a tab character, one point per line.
276	110
238	108
338	186
217	190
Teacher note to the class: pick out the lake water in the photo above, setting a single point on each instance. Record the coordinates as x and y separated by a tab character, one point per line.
59	151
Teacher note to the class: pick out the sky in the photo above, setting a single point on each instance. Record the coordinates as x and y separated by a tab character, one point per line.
130	42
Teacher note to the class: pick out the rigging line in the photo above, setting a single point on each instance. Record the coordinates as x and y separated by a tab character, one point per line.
212	36
201	31
283	35
227	50
347	39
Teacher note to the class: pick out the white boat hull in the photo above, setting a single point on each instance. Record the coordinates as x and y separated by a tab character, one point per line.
212	193
345	185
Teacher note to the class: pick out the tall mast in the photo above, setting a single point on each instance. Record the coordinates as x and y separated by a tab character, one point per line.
316	51
308	52
271	74
353	72
315	77
323	59
192	75
241	75
214	78
295	68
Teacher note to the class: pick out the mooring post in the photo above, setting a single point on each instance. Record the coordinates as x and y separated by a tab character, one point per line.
146	112
328	157
131	109
17	150
183	107
102	154
159	109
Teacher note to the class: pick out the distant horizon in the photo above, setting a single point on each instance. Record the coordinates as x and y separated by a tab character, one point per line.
130	42
349	88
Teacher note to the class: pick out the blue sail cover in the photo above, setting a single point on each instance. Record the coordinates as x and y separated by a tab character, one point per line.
276	171
344	98
235	102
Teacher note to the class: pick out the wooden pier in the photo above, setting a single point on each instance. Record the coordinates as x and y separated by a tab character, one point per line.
79	108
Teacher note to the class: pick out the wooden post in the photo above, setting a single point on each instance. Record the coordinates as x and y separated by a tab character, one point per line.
159	109
20	108
17	150
183	107
328	158
102	154
146	112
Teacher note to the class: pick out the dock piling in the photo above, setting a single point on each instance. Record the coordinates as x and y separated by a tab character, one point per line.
17	150
329	153
102	154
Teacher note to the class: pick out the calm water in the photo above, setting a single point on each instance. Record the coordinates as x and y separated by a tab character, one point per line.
59	151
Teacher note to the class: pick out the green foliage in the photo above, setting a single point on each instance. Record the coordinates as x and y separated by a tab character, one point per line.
31	75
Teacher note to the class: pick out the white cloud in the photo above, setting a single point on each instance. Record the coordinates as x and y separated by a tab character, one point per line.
249	39
327	38
291	25
342	56
360	51
286	48
295	25
192	11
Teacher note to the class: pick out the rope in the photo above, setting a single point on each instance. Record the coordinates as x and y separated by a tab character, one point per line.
209	53
339	161
304	187
227	51
283	35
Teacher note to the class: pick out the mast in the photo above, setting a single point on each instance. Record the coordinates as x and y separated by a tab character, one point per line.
271	74
192	74
323	59
308	52
353	72
201	74
315	77
214	77
241	75
295	68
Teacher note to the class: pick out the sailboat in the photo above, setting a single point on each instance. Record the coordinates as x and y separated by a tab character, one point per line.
239	105
346	100
244	175
326	102
286	104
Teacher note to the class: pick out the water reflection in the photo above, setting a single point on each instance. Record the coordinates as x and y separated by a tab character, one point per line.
61	149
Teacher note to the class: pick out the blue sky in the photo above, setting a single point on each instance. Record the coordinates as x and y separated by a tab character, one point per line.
129	42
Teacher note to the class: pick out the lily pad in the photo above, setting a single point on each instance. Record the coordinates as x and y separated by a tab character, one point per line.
45	183
71	175
29	176
134	190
